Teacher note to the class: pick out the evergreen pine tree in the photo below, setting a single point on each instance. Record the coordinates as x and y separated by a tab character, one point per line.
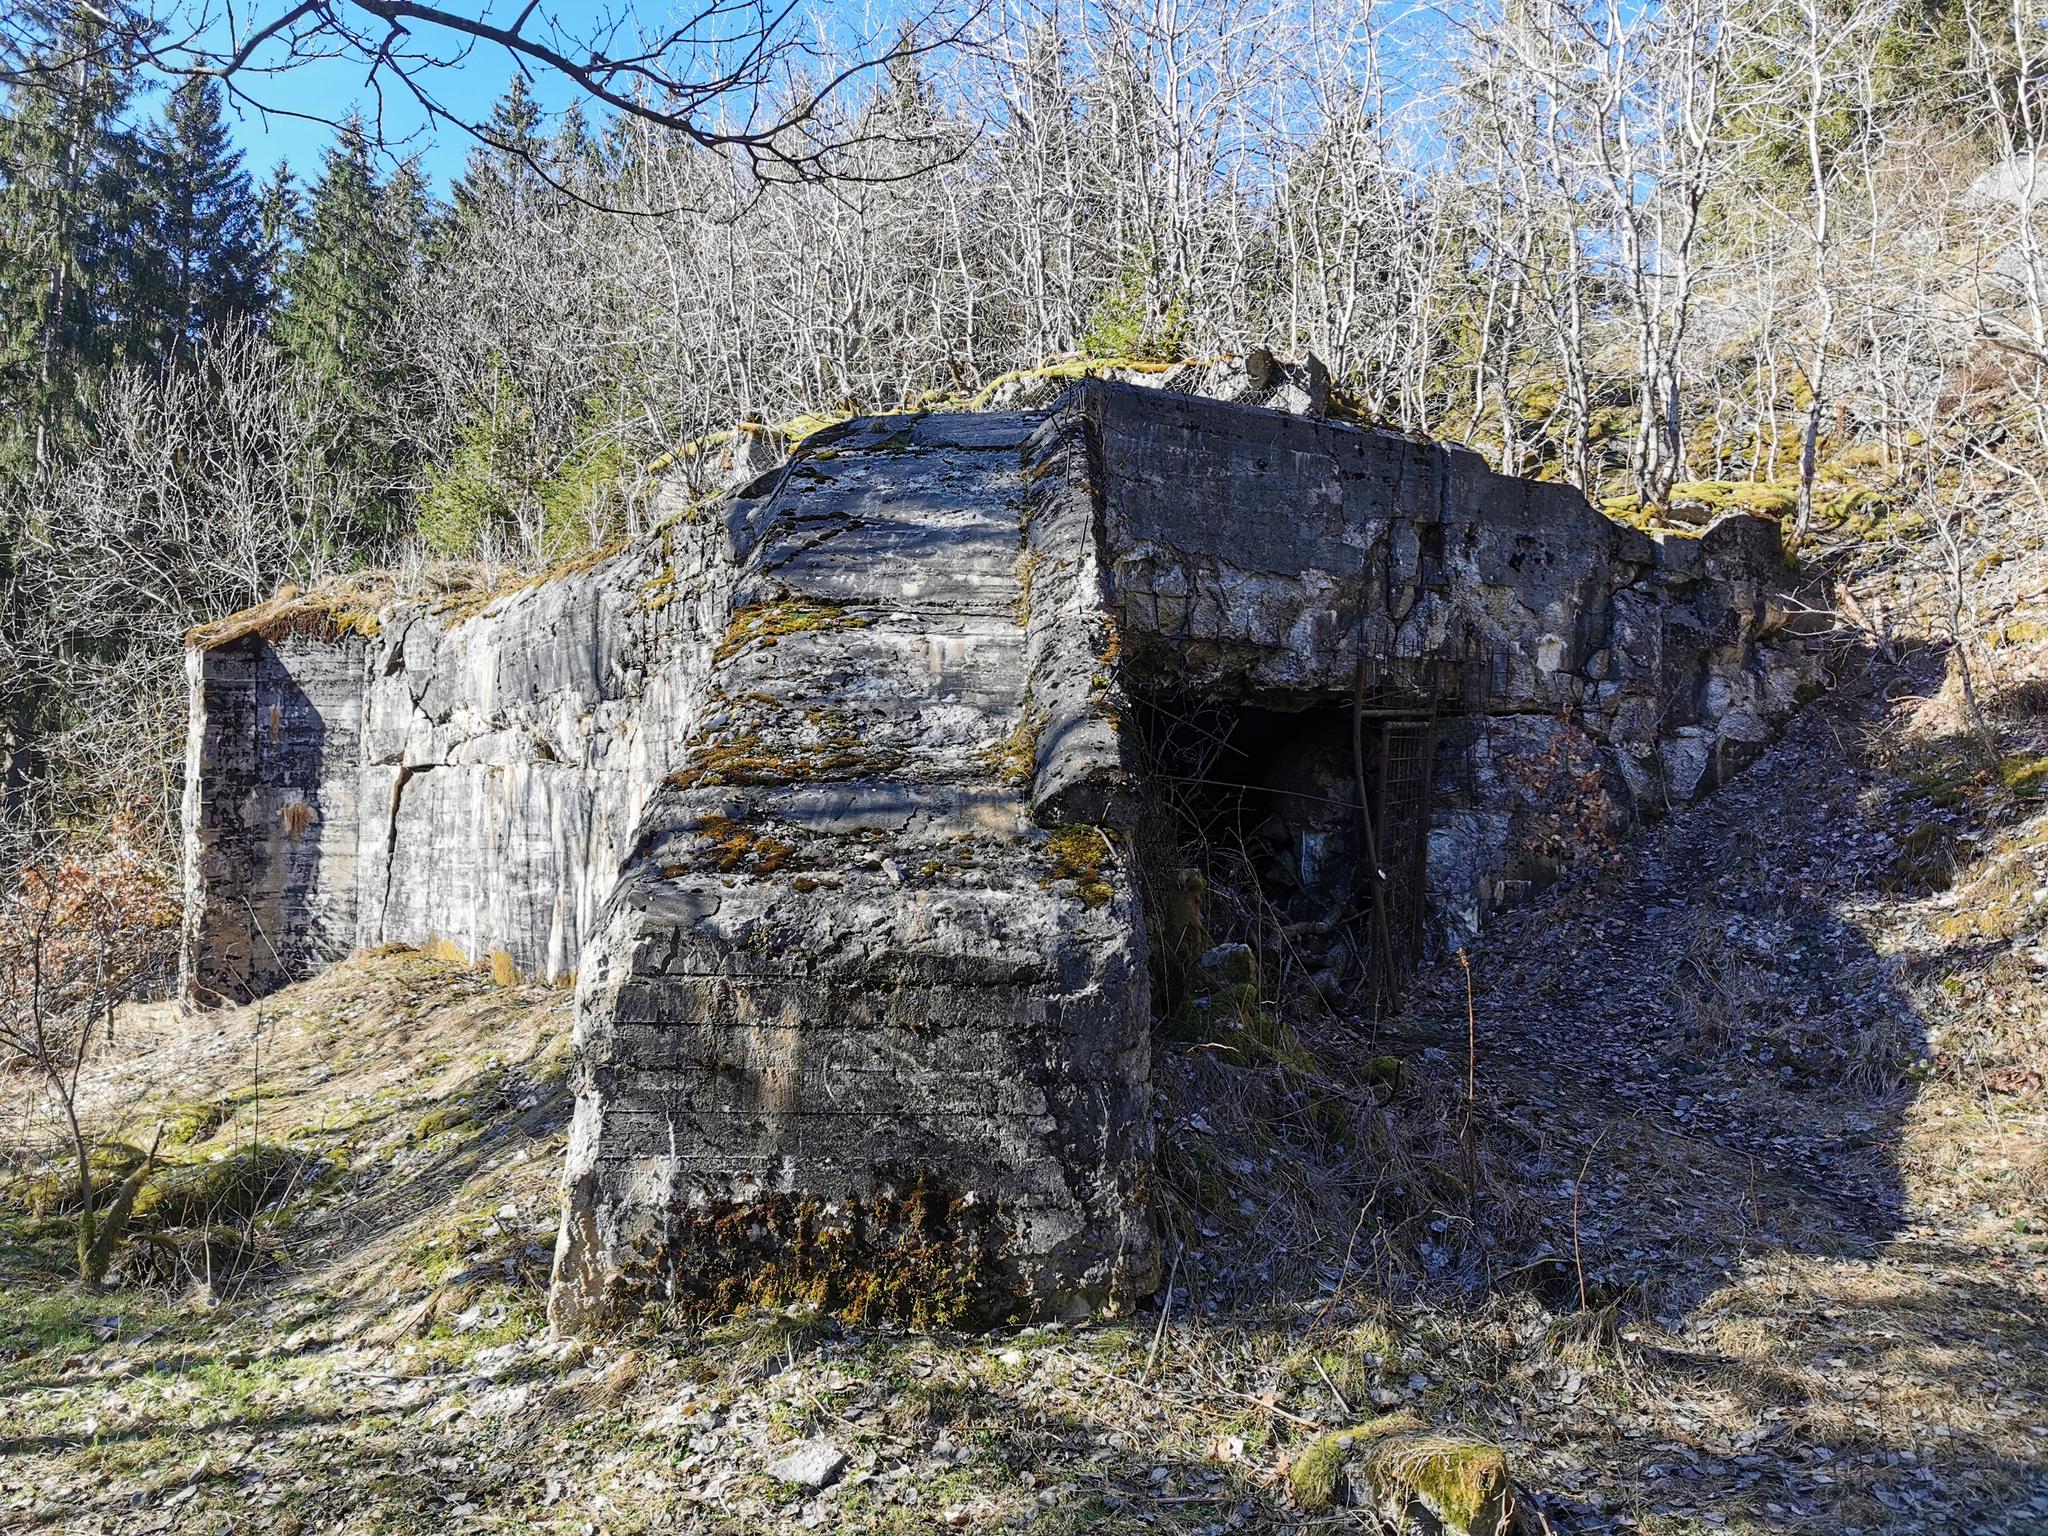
337	285
209	240
405	219
280	213
357	243
500	172
68	175
573	149
69	180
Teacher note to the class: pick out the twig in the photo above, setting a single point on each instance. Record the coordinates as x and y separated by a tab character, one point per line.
1343	1405
1471	1047
1518	1497
1578	1190
1265	1405
1165	1311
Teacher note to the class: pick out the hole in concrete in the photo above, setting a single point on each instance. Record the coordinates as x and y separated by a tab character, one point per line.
1261	791
1256	837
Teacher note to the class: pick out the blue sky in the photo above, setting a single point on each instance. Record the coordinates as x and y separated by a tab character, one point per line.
315	93
327	89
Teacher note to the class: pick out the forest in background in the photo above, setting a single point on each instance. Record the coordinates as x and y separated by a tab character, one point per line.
1786	255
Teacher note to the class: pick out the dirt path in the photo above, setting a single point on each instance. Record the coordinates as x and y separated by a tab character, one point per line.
1830	1299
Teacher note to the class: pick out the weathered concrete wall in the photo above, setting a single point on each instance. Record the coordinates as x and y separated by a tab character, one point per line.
1254	554
858	1032
271	812
825	792
474	770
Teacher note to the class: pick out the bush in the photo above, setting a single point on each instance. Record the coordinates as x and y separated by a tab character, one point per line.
1124	325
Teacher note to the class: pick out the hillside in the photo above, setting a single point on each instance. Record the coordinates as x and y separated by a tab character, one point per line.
1339	709
1743	1229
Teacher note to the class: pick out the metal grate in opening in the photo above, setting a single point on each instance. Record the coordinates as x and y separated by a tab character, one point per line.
1407	757
1397	704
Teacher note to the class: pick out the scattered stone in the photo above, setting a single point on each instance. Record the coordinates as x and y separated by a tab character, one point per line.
808	1464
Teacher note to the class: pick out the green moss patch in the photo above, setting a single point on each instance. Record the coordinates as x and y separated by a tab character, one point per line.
2024	774
765	623
1082	854
232	1187
1014	759
927	1258
1997	901
188	1123
834	751
732	848
53	1190
1709	498
1410	1473
332	612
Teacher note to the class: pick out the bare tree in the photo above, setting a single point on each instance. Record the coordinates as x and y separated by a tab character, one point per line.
81	928
746	77
204	490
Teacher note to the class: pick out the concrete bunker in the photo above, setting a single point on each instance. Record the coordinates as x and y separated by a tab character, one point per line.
833	797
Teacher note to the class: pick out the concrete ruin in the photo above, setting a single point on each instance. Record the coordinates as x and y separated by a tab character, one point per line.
837	797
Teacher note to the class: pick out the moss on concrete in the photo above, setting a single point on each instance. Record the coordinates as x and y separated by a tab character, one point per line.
832	749
1014	759
765	623
927	1258
732	848
331	612
1082	854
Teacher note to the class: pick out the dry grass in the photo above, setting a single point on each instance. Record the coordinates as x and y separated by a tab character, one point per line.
1351	1243
387	1078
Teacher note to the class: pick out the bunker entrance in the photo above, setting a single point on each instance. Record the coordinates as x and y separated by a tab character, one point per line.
1299	828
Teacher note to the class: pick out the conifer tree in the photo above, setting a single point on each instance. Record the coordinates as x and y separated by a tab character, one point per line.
69	178
280	213
357	244
574	149
209	240
68	173
337	283
500	173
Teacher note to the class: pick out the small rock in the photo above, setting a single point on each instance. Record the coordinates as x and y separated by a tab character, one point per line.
808	1464
1228	965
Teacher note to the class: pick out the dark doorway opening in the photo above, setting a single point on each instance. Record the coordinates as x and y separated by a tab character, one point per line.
1301	827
